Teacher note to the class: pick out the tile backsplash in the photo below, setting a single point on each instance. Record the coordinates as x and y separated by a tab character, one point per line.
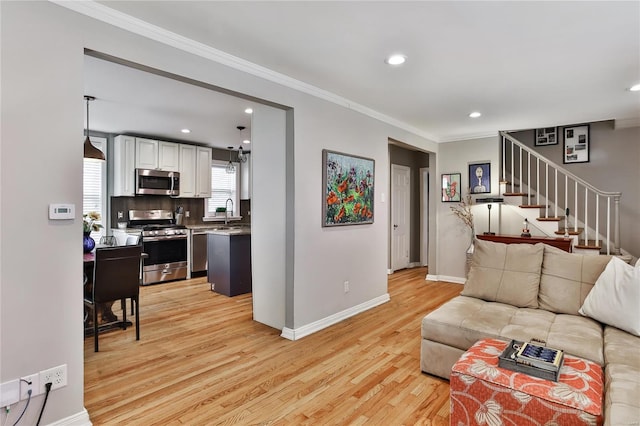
195	207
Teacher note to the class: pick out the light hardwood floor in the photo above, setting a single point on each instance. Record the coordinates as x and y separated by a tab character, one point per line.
202	360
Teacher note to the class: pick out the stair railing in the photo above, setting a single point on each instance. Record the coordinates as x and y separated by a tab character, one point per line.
571	182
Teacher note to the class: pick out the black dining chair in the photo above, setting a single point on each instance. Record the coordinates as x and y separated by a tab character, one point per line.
116	276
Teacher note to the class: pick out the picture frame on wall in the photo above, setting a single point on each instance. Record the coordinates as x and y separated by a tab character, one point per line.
348	189
576	144
480	178
546	136
451	186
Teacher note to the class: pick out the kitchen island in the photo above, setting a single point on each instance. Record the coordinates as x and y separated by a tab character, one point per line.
229	261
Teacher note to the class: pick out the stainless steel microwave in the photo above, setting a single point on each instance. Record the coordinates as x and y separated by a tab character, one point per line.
157	182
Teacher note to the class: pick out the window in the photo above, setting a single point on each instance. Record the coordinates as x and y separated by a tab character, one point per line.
94	187
223	186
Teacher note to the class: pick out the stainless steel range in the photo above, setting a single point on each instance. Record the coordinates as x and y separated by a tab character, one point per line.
164	242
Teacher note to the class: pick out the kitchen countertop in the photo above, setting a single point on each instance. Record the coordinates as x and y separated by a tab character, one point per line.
212	226
230	232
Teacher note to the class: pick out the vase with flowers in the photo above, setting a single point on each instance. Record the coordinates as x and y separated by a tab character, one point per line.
464	213
89	224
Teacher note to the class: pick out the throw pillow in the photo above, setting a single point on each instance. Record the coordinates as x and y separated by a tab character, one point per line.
505	273
567	278
615	297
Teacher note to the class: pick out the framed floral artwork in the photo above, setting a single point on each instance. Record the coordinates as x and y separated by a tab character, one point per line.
348	189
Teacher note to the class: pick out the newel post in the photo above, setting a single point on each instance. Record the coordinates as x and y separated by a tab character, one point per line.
616	229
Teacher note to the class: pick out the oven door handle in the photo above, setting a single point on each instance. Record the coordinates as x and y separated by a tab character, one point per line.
164	237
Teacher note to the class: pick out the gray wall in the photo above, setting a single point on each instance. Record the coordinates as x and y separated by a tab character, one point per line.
614	165
42	129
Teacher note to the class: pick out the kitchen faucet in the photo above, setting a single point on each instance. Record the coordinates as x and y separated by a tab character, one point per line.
226	213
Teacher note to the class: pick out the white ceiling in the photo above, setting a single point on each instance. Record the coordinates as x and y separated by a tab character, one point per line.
522	64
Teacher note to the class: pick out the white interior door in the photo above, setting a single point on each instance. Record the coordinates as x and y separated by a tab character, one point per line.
400	216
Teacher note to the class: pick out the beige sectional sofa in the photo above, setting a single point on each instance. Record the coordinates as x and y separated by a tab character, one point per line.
526	291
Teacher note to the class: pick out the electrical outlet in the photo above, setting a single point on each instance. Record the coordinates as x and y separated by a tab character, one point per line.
346	286
187	214
57	376
29	382
120	215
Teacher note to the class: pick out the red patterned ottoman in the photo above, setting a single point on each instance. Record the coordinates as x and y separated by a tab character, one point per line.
482	393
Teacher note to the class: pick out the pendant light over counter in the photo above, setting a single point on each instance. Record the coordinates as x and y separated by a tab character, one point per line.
242	157
91	151
230	167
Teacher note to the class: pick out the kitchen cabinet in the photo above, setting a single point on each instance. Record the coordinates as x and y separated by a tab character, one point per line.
187	171
203	172
146	154
123	174
168	156
157	155
195	171
229	262
245	178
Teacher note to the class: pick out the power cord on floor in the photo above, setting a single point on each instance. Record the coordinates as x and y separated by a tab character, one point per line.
46	395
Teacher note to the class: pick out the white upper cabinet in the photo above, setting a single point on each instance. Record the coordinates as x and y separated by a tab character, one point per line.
157	155
168	156
193	162
124	148
203	172
146	154
187	171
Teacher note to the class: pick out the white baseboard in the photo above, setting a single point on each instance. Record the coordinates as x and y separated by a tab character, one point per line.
456	280
305	330
78	419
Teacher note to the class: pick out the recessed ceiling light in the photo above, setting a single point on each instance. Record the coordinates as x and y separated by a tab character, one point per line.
396	59
635	88
249	110
185	131
475	114
246	141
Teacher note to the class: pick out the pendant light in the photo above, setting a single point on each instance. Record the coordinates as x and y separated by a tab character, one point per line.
242	157
91	151
230	167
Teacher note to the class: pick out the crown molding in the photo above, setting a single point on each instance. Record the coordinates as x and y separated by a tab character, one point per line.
623	123
137	26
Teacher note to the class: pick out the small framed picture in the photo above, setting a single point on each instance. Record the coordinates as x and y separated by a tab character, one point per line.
546	136
451	187
480	178
576	144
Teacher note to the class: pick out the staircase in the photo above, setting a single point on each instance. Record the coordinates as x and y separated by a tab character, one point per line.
557	202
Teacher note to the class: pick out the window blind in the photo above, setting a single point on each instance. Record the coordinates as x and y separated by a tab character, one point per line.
223	186
94	177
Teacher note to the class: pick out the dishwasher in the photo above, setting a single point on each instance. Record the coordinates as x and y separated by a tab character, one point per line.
198	251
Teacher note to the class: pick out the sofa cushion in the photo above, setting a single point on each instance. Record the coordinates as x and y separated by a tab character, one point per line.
464	320
622	377
621	348
567	278
615	297
505	273
622	395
